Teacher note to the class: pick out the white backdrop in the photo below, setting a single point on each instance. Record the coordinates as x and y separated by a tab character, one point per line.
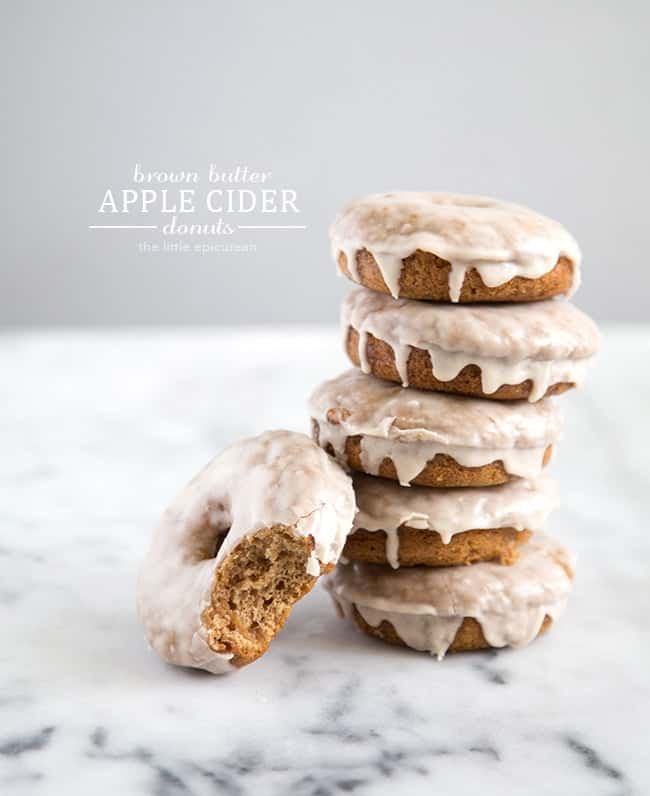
545	104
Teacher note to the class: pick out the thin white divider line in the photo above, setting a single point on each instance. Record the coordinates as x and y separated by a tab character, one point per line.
122	226
271	226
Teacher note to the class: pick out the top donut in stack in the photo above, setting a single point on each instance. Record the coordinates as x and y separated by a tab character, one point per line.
450	247
480	255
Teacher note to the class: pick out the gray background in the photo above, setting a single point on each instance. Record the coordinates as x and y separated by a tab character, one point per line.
541	103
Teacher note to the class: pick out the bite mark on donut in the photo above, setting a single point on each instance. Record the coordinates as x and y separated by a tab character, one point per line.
254	590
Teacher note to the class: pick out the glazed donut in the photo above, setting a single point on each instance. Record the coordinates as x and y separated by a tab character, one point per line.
455	609
429	438
449	247
489	351
245	539
415	526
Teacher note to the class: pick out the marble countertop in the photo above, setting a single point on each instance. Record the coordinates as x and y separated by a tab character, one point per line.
99	431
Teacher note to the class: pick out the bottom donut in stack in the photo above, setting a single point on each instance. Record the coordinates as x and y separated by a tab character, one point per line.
456	609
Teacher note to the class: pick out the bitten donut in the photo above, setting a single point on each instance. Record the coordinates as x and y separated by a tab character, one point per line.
245	539
491	351
449	247
414	526
428	438
455	609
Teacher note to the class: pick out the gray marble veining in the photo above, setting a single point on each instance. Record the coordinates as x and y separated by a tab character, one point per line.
99	430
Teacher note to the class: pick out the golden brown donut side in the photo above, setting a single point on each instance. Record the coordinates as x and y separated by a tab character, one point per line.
441	471
254	590
419	547
425	276
469	636
381	360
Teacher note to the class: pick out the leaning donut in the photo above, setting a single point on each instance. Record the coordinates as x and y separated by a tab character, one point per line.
245	539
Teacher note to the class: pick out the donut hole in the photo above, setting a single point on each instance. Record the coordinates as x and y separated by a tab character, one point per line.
218	542
254	590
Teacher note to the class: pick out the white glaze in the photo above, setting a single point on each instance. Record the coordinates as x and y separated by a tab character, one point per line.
547	342
410	458
426	605
277	478
412	426
385	506
499	239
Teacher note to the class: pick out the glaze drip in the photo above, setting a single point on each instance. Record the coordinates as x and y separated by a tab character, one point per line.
410	458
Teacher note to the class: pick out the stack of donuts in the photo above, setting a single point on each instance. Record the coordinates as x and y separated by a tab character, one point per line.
460	332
